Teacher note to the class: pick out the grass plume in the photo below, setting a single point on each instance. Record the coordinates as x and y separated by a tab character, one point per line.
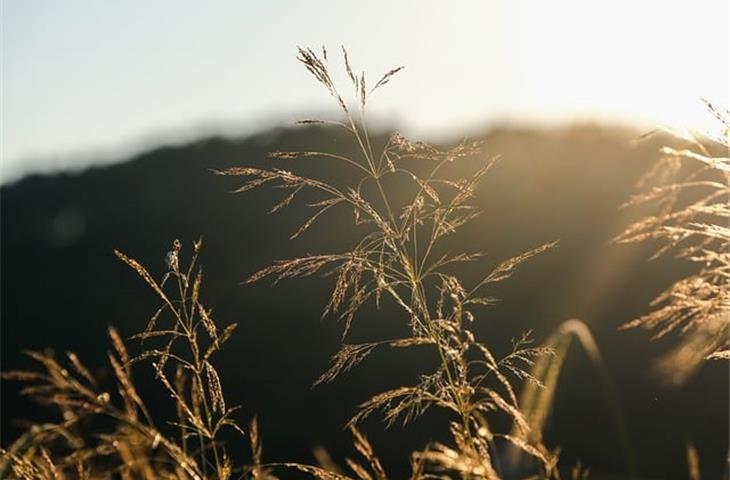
396	257
690	187
109	432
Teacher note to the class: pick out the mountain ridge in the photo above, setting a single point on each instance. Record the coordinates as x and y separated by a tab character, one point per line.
61	285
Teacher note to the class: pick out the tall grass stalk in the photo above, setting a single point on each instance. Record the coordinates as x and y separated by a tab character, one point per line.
402	255
690	187
107	430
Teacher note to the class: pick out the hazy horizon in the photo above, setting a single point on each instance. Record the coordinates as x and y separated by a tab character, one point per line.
85	83
84	157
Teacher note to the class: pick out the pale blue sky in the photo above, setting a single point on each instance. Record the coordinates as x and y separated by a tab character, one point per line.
88	81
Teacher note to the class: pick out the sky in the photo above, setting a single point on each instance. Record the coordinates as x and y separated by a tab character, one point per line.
86	82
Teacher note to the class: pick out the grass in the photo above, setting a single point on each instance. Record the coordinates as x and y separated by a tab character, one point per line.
690	188
109	431
407	200
401	256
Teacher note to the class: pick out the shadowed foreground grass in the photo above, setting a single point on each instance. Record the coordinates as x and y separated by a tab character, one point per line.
407	202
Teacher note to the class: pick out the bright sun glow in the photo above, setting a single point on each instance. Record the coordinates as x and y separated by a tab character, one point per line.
80	78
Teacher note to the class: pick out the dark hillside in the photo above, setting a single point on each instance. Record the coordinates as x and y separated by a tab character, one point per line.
62	286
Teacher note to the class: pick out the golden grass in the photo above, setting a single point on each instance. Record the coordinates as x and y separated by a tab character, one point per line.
180	342
396	257
401	256
690	187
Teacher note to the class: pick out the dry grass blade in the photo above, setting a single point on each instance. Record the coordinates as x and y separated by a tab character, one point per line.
386	78
345	359
395	257
693	463
537	397
315	472
366	450
132	446
693	202
142	273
